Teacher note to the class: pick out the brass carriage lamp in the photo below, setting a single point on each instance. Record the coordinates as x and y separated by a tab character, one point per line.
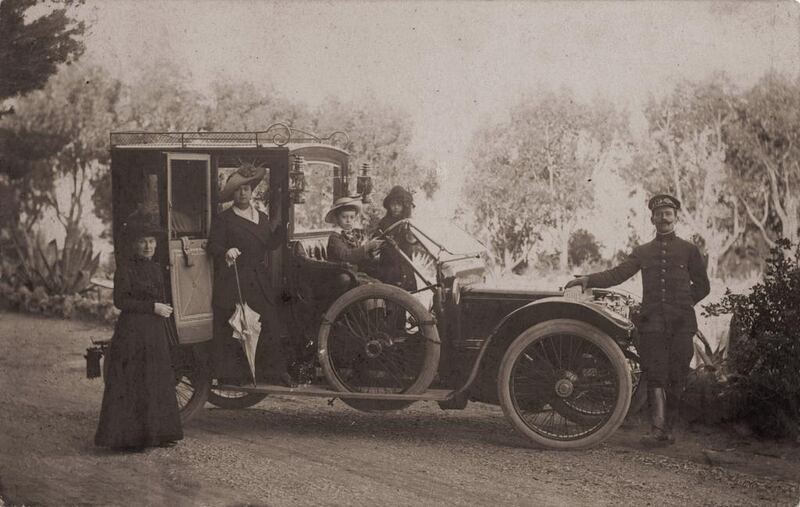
297	180
364	183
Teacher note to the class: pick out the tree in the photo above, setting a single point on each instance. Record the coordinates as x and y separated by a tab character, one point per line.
685	154
243	107
159	99
764	146
31	52
63	130
530	176
381	136
583	248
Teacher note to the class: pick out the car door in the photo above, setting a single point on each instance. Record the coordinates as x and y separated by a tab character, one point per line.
189	219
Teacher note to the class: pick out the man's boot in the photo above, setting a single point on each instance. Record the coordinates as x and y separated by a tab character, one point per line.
673	414
658	435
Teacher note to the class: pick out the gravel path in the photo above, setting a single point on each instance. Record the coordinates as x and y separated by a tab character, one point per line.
303	451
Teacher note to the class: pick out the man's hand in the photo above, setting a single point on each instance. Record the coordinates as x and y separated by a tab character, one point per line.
231	255
373	245
162	310
583	281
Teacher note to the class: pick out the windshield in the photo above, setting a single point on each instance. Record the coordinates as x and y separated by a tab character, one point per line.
444	240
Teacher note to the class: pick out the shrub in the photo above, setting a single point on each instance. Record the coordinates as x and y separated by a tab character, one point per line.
764	350
98	306
583	248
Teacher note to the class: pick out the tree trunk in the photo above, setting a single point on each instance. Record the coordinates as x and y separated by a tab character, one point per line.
713	262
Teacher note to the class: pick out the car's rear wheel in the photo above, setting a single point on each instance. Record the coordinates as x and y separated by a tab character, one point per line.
377	338
233	400
564	384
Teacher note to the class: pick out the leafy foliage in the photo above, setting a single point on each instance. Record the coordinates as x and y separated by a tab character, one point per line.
531	176
765	154
685	154
97	307
764	358
57	271
583	248
381	136
31	52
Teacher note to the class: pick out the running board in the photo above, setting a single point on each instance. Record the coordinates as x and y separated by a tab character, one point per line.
325	392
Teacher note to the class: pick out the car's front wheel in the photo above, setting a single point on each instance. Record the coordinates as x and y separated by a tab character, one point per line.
564	384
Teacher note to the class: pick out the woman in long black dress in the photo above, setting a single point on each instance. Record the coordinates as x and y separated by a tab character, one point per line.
139	405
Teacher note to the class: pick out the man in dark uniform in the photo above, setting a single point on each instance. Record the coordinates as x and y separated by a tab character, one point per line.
244	235
674	279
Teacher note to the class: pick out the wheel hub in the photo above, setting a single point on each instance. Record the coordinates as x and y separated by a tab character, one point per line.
564	388
373	348
566	385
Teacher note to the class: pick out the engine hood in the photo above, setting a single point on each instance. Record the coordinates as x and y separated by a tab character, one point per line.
484	291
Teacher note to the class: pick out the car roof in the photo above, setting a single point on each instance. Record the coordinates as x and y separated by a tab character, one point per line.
278	135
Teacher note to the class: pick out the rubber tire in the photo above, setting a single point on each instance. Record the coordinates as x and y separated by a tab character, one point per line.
237	403
199	397
381	291
588	333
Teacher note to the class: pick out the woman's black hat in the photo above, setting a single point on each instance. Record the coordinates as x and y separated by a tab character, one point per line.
138	226
400	194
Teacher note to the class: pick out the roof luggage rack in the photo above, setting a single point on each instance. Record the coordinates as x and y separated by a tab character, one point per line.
277	134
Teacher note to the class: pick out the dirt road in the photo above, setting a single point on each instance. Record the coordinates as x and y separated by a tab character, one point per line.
290	451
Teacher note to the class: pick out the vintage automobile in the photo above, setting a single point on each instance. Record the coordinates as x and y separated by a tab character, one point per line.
562	366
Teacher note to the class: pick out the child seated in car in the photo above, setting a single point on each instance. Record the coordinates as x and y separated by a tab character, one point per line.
349	244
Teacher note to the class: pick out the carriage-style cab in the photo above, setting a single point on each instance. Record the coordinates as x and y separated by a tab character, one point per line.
558	365
176	178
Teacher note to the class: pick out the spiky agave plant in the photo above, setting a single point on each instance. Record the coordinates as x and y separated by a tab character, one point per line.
708	388
65	270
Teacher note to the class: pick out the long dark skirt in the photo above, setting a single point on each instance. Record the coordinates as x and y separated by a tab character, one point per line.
139	404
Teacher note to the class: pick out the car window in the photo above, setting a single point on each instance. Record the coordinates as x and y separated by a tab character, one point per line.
318	197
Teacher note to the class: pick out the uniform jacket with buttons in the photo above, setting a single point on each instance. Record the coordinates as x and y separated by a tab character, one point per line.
673	273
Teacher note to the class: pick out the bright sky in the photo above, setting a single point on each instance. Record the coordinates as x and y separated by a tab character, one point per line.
451	65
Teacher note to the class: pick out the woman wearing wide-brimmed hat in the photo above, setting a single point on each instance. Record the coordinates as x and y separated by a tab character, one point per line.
139	406
394	270
244	235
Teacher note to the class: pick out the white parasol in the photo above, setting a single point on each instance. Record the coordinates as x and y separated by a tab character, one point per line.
246	324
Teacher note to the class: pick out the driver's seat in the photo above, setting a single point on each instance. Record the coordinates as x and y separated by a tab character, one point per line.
317	281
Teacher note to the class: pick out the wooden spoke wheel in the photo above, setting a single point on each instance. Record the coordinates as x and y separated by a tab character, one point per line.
377	338
564	384
191	390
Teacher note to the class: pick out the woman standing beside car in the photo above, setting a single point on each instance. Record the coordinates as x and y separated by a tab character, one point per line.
139	406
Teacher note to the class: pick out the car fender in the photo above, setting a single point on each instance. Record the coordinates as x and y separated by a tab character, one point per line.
513	324
549	308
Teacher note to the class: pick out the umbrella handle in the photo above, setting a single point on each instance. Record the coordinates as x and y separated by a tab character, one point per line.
238	286
239	289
